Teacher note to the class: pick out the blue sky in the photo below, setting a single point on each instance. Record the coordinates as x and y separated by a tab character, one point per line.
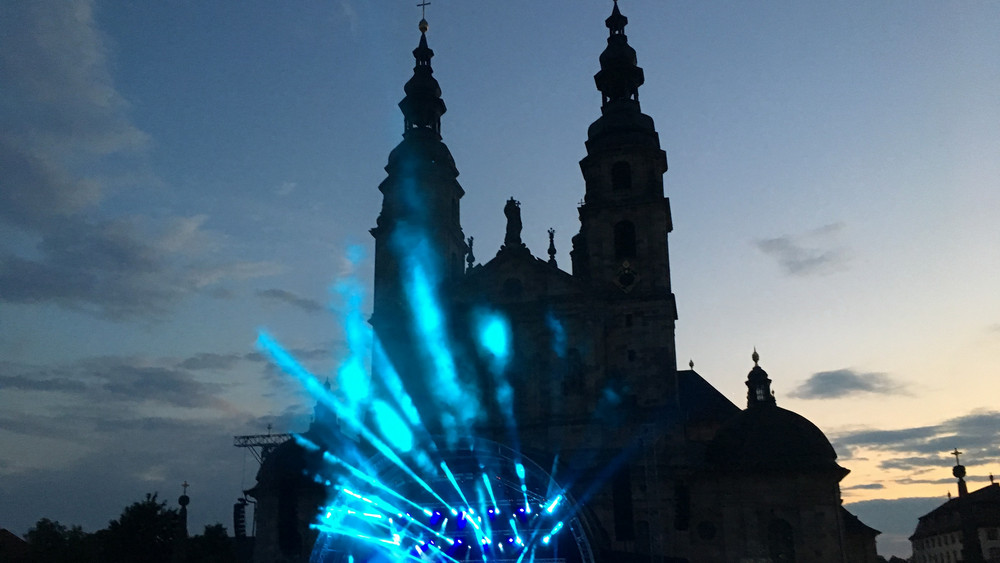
178	175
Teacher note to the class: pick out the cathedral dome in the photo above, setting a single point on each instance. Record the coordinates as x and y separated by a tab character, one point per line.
770	438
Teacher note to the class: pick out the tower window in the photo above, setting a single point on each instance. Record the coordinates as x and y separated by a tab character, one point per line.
621	177
624	240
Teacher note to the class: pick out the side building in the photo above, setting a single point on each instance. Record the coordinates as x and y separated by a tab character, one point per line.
965	528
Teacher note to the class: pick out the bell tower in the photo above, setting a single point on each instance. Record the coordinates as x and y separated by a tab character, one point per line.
420	203
419	225
621	250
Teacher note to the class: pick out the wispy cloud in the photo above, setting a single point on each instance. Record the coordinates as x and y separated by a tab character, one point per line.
813	252
865	486
350	14
286	188
74	400
62	118
846	382
280	295
117	380
44	383
912	449
114	270
209	360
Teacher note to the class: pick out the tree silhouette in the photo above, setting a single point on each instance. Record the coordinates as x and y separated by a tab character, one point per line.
147	531
213	546
52	542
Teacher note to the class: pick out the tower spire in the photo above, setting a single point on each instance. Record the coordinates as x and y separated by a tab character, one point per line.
959	472
758	385
419	224
620	76
183	501
422	107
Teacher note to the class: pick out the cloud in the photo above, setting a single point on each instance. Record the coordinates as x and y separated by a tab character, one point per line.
286	188
113	270
910	463
977	434
867	487
304	303
211	361
159	385
947	481
808	253
35	192
350	14
61	111
24	383
845	382
119	382
61	121
63	91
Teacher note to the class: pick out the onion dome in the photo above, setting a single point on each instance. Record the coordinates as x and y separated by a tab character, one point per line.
422	107
621	120
620	75
768	438
758	385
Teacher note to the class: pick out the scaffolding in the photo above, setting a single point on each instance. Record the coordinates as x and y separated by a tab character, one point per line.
260	445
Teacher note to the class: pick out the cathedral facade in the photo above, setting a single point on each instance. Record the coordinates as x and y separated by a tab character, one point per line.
661	466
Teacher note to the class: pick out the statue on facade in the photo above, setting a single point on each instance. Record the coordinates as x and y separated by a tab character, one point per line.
513	212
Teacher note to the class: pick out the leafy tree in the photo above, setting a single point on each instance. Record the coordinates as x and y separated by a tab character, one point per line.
213	546
52	542
146	532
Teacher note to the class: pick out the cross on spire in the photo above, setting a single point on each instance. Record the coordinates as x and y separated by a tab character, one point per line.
957	453
185	485
423	8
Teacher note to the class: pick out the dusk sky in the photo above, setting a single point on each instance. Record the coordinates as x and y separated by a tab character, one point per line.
175	176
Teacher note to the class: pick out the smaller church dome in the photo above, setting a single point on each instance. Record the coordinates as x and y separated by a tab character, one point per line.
771	438
768	438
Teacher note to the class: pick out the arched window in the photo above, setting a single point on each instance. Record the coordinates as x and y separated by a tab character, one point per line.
624	240
621	177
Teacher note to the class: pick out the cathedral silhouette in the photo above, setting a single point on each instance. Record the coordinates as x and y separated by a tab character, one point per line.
652	463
